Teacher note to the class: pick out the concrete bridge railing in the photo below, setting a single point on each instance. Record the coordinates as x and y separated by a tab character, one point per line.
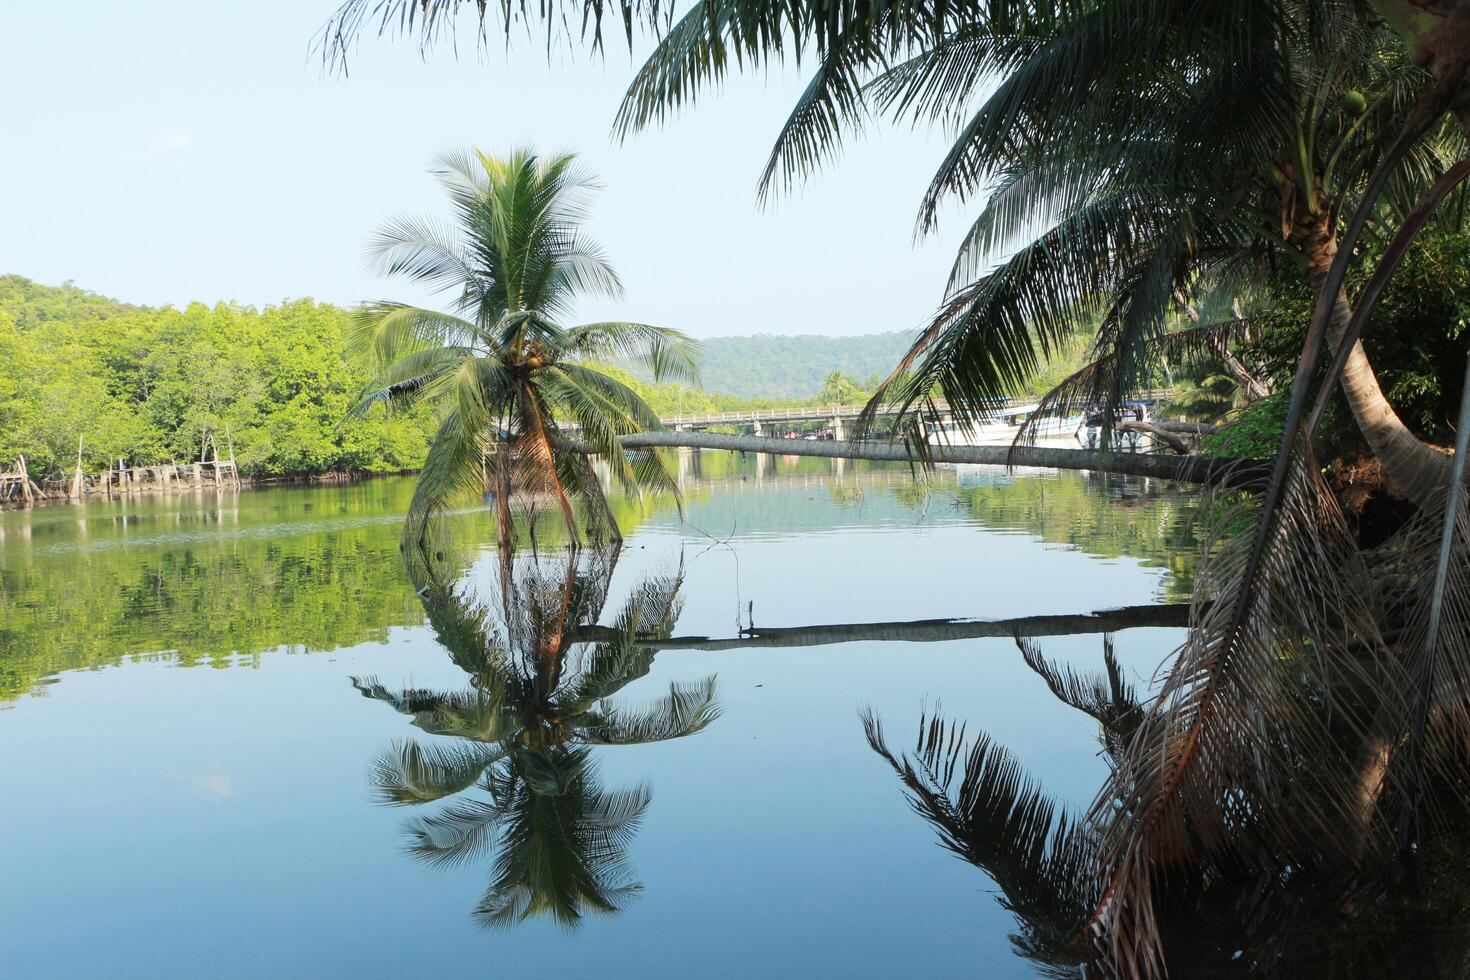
803	413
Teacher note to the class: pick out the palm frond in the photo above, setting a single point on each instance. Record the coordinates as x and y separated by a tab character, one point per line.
453	473
1107	698
1438	670
687	709
410	773
831	106
390	331
424	375
670	354
991	814
990	337
463	831
1265	679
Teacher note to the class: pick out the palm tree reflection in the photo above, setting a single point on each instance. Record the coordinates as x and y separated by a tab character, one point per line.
518	770
1315	918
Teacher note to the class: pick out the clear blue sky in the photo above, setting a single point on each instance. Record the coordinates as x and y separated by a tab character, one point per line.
175	150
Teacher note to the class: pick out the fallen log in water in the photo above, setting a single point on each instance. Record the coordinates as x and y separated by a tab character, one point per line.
1174	615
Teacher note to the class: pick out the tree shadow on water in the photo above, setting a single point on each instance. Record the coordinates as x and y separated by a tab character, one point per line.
511	769
1317	916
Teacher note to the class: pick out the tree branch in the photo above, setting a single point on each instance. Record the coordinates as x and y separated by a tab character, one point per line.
1174	615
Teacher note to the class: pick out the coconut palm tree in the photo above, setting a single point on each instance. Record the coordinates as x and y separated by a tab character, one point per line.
523	735
515	386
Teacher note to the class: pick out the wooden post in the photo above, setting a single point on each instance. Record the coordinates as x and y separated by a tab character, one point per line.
234	470
198	476
76	480
25	484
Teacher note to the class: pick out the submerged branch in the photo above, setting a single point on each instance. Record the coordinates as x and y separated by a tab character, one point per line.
1174	615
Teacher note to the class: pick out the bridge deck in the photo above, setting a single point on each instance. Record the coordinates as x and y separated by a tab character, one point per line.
811	413
800	413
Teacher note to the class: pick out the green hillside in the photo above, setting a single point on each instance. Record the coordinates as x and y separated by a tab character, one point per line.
766	366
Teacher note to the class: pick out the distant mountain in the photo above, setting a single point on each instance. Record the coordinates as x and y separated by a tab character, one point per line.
770	366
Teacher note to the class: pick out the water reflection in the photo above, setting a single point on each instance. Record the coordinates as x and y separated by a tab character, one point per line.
218	582
512	771
1320	916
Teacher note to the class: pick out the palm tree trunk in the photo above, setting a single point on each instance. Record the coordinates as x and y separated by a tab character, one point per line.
1417	468
507	529
535	429
599	500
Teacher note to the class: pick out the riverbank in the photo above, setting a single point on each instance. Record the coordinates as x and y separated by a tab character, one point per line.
49	494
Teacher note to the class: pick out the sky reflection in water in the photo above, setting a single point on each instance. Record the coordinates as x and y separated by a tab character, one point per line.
223	822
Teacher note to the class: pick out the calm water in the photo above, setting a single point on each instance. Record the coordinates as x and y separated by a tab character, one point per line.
227	819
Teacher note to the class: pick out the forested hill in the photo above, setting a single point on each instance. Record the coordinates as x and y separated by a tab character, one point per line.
155	384
769	366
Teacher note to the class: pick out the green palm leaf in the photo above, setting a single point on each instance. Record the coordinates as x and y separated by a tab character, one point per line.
410	773
688	709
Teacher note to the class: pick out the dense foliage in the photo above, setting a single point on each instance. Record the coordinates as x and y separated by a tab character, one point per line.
155	384
1417	339
1417	336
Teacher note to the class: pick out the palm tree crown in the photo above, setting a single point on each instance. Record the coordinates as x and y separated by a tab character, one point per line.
522	407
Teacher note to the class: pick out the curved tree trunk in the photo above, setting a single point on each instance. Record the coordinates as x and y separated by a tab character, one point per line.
1188	469
1416	467
1438	36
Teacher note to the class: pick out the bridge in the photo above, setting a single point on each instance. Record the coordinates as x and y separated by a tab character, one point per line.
763	421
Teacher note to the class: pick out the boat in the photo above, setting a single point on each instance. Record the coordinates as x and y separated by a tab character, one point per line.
1001	427
1003	424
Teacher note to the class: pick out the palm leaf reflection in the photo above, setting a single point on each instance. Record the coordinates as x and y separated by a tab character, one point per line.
513	767
1407	916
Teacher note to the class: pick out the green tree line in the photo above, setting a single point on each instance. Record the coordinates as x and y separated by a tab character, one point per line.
156	384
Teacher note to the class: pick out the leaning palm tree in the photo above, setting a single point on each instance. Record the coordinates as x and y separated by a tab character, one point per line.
513	754
523	409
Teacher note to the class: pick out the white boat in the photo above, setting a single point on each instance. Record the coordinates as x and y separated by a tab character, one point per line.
1001	429
1002	426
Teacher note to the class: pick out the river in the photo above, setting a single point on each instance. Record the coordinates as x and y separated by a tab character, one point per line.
195	781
